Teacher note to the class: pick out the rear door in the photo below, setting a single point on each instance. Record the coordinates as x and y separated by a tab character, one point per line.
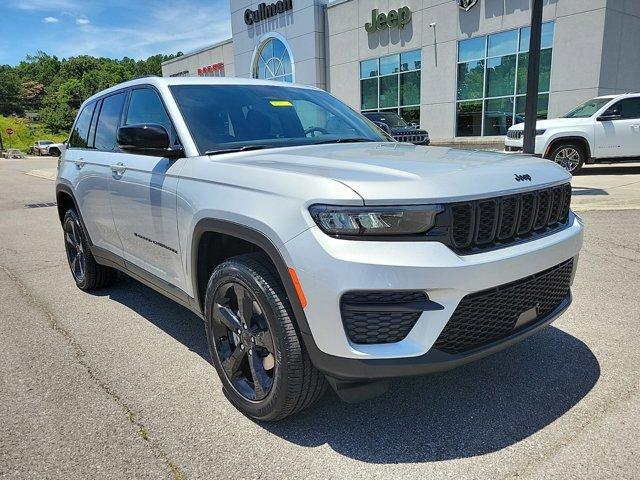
143	196
621	137
90	174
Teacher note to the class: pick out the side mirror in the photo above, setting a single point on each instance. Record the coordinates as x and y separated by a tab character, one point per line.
611	114
383	126
147	139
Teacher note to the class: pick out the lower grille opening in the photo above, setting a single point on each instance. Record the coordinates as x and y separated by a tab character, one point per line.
489	315
375	317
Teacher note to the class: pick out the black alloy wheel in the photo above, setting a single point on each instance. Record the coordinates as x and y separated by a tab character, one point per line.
243	341
75	249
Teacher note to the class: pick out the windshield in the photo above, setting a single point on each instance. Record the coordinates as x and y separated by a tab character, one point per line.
587	109
233	117
45	142
391	119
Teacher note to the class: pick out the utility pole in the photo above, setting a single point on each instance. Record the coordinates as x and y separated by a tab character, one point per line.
533	76
1	147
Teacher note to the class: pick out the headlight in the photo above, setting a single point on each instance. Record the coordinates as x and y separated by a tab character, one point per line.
407	220
540	132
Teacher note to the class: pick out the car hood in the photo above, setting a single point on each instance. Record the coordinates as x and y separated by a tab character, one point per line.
556	123
392	173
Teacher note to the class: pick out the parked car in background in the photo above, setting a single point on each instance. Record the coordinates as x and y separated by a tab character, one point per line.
12	153
41	147
603	128
315	248
398	128
55	150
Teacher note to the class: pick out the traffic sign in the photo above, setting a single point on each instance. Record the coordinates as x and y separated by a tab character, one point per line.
9	131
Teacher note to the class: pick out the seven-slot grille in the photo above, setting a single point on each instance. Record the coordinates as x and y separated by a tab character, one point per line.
411	138
489	315
515	134
485	224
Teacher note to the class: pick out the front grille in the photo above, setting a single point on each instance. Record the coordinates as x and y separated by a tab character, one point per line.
515	134
489	223
413	138
379	316
489	315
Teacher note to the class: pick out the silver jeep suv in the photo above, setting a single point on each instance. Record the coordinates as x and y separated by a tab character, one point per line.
316	250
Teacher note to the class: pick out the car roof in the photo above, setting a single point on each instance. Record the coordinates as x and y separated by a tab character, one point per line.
168	81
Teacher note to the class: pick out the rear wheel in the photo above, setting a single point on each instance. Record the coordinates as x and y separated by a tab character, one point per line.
570	156
87	273
264	368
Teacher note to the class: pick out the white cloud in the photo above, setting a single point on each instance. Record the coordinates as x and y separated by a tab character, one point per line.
83	21
50	20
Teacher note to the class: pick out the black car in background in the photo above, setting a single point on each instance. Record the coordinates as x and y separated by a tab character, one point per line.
394	125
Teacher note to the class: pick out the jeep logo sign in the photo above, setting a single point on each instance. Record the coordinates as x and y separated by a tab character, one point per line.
467	5
394	19
522	178
265	11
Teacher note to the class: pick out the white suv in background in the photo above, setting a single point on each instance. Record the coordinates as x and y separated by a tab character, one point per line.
314	247
603	128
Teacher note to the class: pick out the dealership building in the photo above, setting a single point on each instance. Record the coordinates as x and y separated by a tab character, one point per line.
457	67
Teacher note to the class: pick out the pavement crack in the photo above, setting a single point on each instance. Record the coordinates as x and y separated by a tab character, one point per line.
141	429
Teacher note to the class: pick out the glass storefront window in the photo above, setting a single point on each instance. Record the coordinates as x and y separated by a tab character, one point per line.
410	61
389	91
369	89
469	119
410	88
491	81
472	49
392	83
501	72
470	79
369	68
390	64
502	43
545	42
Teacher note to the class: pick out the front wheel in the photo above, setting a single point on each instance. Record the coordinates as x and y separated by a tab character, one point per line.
569	156
262	363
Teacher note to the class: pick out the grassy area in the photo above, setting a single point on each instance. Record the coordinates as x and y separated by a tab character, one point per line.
24	133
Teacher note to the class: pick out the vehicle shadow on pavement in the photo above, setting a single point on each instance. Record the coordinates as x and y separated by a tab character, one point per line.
473	410
167	315
604	169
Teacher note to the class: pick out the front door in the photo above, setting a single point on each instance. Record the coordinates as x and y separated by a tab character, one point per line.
620	137
143	197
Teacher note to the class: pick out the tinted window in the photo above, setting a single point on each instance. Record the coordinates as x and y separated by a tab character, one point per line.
233	116
146	106
472	49
629	108
108	122
588	108
80	133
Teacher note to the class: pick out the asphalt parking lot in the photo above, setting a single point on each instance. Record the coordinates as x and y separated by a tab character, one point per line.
118	384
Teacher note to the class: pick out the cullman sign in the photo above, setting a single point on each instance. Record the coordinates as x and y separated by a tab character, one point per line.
394	19
265	11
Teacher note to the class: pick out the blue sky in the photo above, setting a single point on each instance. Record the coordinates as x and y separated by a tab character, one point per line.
109	28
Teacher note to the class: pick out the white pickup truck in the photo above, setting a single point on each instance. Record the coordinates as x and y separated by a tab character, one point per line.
603	128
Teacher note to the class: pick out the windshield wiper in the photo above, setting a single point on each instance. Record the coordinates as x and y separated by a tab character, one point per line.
246	148
344	140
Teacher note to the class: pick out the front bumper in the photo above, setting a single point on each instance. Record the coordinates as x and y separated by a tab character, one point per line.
329	267
515	144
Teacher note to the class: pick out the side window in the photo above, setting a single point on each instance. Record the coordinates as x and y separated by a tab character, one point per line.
145	106
108	122
629	108
80	134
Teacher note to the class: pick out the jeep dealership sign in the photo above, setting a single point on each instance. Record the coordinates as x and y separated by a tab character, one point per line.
394	19
265	11
467	5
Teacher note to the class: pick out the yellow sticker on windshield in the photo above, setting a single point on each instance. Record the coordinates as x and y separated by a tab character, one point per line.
281	103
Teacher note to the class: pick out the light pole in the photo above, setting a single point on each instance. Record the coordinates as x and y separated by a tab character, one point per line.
533	75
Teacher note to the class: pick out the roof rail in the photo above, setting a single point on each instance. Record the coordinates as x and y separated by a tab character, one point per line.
144	76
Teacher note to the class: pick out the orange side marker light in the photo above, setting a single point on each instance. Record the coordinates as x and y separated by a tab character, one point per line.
298	287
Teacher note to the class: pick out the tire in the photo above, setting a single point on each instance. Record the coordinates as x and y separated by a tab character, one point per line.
87	273
570	156
288	380
54	152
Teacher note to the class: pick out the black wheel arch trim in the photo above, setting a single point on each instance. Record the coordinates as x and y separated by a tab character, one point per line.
211	225
63	188
582	140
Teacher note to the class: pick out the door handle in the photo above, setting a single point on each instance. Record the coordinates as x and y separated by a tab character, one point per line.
118	168
79	163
